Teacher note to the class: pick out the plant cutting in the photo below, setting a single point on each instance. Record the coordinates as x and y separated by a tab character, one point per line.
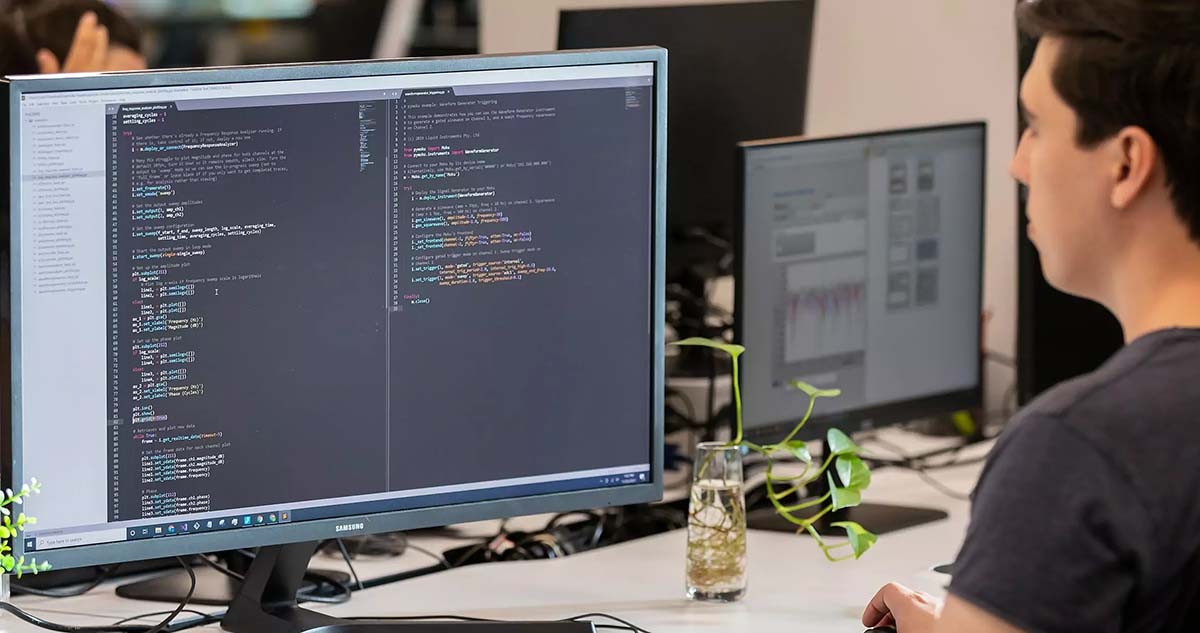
716	515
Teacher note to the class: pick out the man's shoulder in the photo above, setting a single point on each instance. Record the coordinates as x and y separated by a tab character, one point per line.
1145	383
1137	415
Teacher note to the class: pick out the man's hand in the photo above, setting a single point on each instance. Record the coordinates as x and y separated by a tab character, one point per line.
89	49
907	610
915	612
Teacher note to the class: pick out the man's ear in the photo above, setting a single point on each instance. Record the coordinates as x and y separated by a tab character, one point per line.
1135	160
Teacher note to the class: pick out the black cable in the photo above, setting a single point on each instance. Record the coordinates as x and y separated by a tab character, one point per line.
63	628
481	546
418	618
158	613
922	470
223	569
942	488
341	597
162	626
445	564
386	545
622	625
67	593
628	625
346	556
1000	359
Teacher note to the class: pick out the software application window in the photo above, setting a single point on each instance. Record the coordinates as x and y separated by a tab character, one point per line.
861	257
304	299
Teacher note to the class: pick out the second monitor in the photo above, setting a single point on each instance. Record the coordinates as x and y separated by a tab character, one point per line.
860	268
861	261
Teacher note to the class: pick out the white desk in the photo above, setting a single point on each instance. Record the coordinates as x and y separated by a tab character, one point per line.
792	587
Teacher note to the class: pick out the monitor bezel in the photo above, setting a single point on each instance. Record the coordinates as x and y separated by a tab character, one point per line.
11	469
876	416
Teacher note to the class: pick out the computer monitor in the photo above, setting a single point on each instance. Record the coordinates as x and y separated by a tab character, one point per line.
271	305
740	72
860	267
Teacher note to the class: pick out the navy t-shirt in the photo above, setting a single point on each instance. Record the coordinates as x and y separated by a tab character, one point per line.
1087	516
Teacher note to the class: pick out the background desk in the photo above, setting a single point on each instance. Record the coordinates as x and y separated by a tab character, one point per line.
792	587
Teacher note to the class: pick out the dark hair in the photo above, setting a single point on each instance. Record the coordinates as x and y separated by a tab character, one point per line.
51	25
1131	63
17	57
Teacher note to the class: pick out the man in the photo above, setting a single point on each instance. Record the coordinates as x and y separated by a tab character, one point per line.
83	36
1087	517
68	36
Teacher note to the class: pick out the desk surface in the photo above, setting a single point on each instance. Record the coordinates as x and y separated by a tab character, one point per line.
792	587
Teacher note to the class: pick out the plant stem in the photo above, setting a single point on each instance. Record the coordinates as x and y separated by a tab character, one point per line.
737	402
811	402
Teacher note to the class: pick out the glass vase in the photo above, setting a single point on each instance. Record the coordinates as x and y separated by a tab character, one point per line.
716	532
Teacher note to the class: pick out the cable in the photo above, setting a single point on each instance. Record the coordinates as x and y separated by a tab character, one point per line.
341	597
68	593
157	613
922	470
441	559
625	624
940	487
63	628
162	626
622	625
481	546
387	545
223	569
1000	359
346	556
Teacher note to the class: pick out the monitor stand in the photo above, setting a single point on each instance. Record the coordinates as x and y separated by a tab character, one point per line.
266	603
212	587
877	518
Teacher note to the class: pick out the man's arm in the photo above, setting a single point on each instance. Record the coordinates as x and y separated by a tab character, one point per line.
915	612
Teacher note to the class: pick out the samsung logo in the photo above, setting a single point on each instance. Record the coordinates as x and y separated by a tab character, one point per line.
348	527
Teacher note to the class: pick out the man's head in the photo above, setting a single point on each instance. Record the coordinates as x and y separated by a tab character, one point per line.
1112	153
52	27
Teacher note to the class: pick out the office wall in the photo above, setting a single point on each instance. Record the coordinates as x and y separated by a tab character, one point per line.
878	64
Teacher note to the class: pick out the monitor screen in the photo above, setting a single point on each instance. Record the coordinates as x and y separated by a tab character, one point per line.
861	270
246	304
740	72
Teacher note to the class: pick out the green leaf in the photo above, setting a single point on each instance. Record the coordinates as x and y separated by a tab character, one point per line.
8	562
853	472
841	444
4	532
696	341
860	539
813	392
800	450
843	497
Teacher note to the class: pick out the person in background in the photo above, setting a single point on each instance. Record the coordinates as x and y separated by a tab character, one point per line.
68	36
